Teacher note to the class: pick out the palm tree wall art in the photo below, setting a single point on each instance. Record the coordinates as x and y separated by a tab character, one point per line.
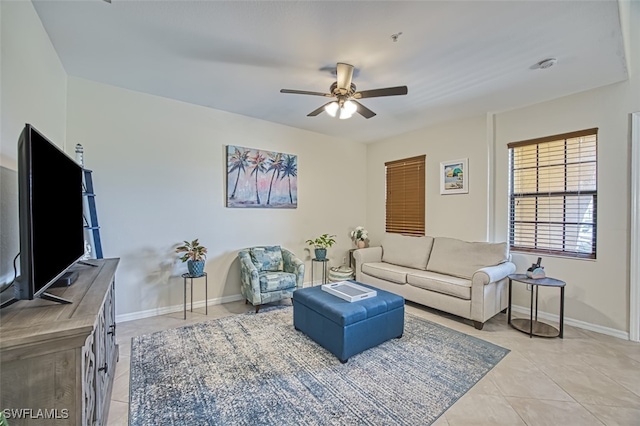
261	179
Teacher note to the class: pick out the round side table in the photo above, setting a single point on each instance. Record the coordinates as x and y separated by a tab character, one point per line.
206	297
532	326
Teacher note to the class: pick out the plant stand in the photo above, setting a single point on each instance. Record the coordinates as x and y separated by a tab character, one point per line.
206	296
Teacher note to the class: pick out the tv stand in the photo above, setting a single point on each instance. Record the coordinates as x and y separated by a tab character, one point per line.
52	298
62	357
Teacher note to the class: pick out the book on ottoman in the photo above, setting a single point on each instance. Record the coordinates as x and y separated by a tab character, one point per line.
349	291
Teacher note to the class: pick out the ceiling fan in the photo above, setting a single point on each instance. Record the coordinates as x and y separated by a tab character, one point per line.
346	96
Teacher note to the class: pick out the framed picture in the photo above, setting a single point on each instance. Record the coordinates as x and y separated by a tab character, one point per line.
261	179
454	176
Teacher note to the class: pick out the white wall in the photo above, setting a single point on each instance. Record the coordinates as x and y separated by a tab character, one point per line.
597	290
597	293
33	86
34	83
461	216
159	175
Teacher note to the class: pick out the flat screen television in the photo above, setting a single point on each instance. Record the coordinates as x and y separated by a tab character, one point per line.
50	214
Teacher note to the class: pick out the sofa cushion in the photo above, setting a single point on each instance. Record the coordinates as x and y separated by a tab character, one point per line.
274	281
405	250
445	284
387	271
268	258
461	258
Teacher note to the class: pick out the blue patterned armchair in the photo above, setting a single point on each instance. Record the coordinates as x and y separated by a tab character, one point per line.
269	274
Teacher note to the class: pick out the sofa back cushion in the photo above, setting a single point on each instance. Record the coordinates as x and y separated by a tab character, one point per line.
267	258
404	250
461	258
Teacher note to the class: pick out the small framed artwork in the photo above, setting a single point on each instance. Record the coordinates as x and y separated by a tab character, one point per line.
454	176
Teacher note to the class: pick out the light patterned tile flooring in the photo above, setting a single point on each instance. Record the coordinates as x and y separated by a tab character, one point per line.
584	379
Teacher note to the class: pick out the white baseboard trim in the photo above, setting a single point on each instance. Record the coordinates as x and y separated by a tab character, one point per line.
574	323
175	308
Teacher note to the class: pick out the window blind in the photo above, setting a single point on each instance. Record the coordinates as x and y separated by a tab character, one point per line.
553	194
405	195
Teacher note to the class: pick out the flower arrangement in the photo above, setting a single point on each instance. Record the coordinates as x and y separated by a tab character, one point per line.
359	234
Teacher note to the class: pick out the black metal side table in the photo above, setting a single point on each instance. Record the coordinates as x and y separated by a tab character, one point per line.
532	326
206	296
323	263
352	261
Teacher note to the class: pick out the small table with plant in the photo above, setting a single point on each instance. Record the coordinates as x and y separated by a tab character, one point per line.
320	245
195	255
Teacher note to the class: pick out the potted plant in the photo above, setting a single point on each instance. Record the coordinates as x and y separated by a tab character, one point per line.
194	255
321	244
359	236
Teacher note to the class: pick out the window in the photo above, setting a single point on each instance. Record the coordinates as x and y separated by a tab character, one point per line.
553	194
405	195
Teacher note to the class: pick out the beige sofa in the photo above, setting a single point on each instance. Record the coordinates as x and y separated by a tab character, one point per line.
467	279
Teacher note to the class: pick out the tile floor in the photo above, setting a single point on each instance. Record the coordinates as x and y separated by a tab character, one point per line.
584	379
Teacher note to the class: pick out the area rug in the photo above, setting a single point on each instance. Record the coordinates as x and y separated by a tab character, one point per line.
258	370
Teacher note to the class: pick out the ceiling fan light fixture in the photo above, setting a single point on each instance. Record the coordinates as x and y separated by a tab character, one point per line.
350	107
344	114
332	108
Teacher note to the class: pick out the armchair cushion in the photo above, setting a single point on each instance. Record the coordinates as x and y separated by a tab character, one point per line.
274	281
268	258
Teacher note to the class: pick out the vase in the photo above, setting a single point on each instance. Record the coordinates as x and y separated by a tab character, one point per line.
360	244
321	253
195	267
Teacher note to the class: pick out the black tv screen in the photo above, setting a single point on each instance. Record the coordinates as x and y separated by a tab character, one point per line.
51	215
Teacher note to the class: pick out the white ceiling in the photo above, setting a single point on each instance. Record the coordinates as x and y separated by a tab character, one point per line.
457	58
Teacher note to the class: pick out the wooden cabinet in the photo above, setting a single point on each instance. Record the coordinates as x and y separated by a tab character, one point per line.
58	361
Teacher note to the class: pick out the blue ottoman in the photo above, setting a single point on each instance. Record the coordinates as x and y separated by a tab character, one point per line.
348	328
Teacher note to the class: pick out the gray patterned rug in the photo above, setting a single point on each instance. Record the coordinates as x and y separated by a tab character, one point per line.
257	369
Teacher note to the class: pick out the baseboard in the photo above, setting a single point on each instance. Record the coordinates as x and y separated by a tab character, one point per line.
175	308
575	323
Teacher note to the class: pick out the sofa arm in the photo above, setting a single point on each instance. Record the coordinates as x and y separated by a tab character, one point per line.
293	265
491	274
489	291
249	283
366	255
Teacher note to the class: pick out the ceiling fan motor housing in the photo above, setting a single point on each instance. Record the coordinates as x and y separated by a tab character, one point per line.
337	92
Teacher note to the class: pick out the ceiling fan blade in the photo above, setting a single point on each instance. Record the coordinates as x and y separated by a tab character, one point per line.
344	74
363	110
318	111
304	92
376	93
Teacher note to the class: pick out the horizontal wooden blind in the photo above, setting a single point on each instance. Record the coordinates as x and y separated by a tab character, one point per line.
405	200
553	194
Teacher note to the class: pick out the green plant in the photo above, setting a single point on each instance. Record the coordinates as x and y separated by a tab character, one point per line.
323	241
192	251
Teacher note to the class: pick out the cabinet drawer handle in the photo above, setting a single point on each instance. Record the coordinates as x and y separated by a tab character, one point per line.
112	329
105	368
